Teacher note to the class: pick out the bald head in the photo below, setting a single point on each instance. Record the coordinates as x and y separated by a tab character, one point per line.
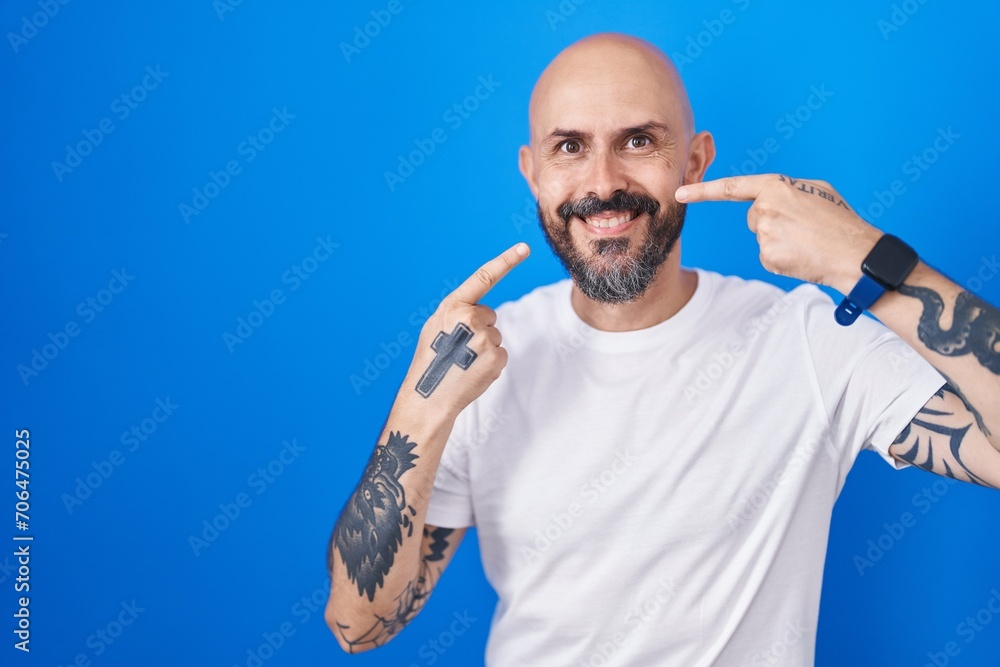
612	138
589	74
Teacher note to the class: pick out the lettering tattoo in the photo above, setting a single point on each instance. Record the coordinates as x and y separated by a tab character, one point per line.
370	528
810	189
409	602
940	428
452	349
975	327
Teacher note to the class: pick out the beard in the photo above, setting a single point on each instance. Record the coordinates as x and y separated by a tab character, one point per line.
614	272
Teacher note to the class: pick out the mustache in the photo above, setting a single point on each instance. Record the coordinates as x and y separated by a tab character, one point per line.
618	201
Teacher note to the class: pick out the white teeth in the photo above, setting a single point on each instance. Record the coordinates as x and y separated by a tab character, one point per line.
608	223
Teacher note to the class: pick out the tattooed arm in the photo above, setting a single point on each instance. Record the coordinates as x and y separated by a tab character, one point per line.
806	230
383	559
957	434
373	628
945	438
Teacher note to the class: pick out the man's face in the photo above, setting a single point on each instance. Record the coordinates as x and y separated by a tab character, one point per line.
607	154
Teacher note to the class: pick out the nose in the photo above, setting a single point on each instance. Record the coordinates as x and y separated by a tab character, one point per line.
605	175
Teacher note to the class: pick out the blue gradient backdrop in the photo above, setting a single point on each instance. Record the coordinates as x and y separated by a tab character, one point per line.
307	128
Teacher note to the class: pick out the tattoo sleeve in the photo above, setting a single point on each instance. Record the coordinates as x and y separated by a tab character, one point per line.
408	603
370	528
941	437
368	534
975	327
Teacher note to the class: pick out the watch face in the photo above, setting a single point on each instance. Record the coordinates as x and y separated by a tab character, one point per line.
890	261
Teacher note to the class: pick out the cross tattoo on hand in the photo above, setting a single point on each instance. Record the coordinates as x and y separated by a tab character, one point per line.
451	350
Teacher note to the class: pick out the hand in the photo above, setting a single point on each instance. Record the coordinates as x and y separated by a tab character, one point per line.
458	352
804	228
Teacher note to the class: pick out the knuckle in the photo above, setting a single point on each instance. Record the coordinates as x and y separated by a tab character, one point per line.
729	186
484	277
482	317
450	313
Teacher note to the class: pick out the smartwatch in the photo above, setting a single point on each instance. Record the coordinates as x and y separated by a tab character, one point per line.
885	268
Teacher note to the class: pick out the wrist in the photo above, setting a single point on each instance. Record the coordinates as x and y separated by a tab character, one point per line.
424	419
849	271
885	268
437	410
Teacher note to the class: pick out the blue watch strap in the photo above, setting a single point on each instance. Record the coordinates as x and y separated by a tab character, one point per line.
861	298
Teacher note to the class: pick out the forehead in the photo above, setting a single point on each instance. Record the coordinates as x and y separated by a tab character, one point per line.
600	109
603	94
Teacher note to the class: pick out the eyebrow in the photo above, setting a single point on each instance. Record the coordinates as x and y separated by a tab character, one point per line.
651	127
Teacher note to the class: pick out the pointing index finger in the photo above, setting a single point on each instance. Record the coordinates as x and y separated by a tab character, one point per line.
731	188
489	274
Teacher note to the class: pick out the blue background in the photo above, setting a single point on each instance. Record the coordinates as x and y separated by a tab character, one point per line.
398	249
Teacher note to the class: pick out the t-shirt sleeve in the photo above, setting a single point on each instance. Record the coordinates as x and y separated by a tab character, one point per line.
872	382
450	505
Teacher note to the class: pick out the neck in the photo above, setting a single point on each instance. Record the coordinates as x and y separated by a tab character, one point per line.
667	294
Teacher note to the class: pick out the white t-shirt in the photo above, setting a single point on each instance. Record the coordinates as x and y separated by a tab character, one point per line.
663	496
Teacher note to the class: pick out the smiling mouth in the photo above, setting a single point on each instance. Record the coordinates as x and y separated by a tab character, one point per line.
610	219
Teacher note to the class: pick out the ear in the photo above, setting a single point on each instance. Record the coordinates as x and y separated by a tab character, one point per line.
527	165
700	156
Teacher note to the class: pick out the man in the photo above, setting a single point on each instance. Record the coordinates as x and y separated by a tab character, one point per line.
653	476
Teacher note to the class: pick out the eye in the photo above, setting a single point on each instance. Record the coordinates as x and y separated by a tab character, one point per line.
571	146
638	141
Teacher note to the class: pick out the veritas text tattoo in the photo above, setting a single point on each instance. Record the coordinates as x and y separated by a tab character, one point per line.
811	189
